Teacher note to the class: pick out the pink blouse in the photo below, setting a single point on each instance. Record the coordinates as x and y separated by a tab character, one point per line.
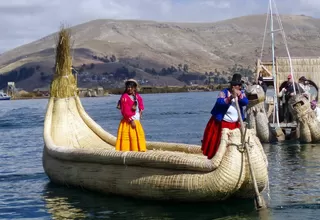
126	106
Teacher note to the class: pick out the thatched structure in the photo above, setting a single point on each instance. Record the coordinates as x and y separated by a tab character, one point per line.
302	66
79	152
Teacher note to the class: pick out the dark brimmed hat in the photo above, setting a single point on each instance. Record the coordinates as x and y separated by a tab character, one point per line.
236	79
132	81
302	78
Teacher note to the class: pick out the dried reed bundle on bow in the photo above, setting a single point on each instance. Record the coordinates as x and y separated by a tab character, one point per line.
64	83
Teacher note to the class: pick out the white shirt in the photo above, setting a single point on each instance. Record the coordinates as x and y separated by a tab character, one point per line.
232	113
306	89
137	115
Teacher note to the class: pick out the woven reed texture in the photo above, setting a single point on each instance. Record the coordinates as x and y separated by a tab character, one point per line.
256	114
79	152
300	108
246	190
302	66
257	94
64	83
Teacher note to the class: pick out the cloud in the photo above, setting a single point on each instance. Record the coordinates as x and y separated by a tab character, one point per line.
23	21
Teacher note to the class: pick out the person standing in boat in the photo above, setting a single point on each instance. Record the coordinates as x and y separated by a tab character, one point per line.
287	91
130	132
316	109
224	115
304	84
262	84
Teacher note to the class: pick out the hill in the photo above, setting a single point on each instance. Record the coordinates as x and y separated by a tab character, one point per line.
106	51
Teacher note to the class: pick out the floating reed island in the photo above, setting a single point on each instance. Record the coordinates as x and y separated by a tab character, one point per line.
79	152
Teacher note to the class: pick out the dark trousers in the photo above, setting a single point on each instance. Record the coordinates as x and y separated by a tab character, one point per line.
287	116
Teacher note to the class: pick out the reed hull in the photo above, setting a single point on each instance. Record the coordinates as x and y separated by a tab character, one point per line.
151	183
257	116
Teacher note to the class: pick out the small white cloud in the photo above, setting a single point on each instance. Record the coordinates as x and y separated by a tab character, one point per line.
216	4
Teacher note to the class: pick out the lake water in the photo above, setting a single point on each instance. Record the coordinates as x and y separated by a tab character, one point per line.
26	192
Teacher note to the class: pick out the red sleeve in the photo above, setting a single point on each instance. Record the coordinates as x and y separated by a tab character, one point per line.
126	107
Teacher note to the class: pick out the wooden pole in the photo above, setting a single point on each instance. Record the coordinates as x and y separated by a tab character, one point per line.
259	201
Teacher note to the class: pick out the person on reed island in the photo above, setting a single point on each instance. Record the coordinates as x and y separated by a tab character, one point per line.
224	115
304	84
286	92
130	132
262	84
316	109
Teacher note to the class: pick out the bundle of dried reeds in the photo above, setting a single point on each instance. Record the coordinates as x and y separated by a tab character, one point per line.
64	83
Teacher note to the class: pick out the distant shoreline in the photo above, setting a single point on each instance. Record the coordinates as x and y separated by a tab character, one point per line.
145	90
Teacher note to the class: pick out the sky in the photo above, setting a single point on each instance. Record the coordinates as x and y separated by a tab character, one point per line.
24	21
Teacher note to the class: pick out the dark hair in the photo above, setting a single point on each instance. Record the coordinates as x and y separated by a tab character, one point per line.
236	84
302	78
131	84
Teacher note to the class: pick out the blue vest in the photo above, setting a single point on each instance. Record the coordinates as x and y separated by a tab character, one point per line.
221	107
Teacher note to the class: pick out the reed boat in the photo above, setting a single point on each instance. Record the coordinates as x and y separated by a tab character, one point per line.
257	116
78	152
308	132
295	122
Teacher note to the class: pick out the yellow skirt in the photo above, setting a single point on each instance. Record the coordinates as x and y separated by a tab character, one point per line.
130	139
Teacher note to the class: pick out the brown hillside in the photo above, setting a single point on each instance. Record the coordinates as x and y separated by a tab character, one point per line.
203	46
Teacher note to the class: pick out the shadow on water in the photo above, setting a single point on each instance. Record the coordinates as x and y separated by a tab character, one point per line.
73	203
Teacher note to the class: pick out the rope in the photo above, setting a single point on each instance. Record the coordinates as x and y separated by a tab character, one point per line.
243	130
286	45
274	75
265	33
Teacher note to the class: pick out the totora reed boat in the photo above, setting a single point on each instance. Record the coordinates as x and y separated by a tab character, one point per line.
78	152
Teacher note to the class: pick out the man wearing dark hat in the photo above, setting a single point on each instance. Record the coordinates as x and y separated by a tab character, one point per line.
224	115
286	93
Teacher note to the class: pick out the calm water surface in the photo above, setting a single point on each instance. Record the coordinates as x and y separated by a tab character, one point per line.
26	193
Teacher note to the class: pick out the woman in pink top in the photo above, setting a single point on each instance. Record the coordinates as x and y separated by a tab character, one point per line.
130	132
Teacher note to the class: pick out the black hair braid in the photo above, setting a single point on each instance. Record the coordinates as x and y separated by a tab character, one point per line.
134	107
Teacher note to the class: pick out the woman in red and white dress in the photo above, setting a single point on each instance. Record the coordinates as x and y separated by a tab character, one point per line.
224	115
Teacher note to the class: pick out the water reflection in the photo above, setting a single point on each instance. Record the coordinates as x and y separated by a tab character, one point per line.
74	203
295	172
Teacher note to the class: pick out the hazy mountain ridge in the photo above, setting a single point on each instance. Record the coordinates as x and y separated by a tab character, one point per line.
204	47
